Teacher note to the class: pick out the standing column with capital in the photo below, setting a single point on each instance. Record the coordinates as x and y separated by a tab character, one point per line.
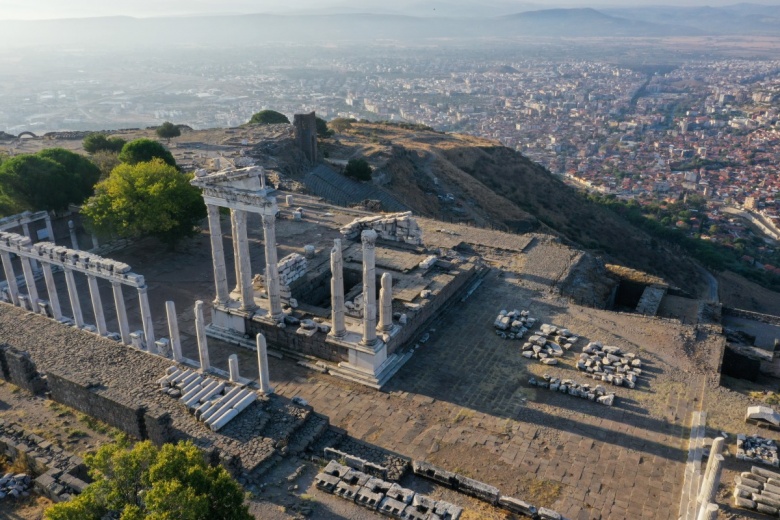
244	263
218	255
121	312
386	303
368	237
51	288
26	231
29	279
337	290
236	264
146	317
272	267
97	304
73	295
10	277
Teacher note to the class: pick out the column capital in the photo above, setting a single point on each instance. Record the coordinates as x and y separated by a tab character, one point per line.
368	237
268	219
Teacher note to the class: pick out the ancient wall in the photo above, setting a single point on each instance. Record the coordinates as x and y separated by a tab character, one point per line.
19	369
288	339
306	134
755	316
129	419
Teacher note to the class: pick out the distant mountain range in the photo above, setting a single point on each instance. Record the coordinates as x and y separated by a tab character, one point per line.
240	30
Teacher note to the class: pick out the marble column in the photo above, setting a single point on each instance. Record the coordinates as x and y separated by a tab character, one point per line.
173	330
200	330
73	296
244	263
51	289
10	277
262	365
233	367
368	237
272	267
95	243
97	304
29	278
236	264
121	312
709	487
26	232
74	241
146	317
386	303
708	512
339	329
218	255
50	229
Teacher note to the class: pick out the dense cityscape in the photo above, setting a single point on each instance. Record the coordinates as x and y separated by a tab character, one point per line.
654	133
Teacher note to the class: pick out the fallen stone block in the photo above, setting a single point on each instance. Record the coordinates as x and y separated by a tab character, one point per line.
767	510
761	472
549	514
326	482
744	503
447	511
763	413
368	498
515	505
478	489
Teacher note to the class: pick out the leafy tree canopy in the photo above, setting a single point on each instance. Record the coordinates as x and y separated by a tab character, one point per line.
146	199
97	142
322	128
48	180
341	123
168	130
358	169
269	117
144	150
146	482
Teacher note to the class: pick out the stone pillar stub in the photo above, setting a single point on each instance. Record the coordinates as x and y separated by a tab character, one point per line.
29	278
51	289
244	262
233	367
10	277
339	328
386	303
368	238
74	241
97	304
121	312
73	296
173	330
218	255
264	380
709	487
200	330
708	512
146	317
272	267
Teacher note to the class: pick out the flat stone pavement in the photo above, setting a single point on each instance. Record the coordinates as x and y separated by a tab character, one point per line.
463	402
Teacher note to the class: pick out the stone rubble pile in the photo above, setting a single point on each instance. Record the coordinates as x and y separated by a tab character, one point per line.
513	324
610	364
597	393
397	227
212	401
379	495
757	449
549	343
758	490
15	486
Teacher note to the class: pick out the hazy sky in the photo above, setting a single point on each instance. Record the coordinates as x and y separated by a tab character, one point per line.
37	9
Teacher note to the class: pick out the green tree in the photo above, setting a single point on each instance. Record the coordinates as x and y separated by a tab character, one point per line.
358	169
98	142
105	161
340	124
145	482
269	117
168	130
322	128
146	199
144	150
31	182
83	172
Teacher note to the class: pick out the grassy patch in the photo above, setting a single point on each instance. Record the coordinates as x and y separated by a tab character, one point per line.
463	414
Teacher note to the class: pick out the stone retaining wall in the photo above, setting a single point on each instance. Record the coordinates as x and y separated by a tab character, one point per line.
19	369
755	316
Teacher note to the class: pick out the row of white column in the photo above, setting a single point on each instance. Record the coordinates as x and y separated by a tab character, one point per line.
263	381
243	264
370	327
73	295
